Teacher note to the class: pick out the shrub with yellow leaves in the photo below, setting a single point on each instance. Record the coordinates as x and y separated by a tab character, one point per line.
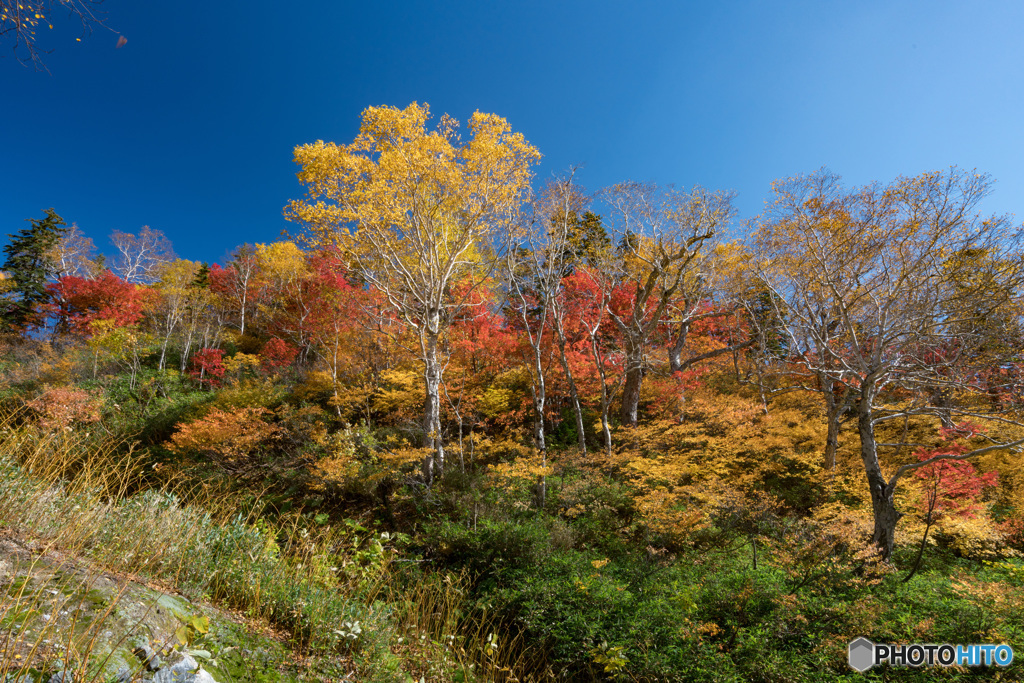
976	537
400	397
242	365
229	438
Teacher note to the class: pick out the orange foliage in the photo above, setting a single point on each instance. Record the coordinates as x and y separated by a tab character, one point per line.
61	407
226	436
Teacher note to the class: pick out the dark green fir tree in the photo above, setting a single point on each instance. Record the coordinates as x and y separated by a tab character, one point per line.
29	266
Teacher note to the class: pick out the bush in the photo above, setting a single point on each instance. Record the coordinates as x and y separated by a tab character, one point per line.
229	438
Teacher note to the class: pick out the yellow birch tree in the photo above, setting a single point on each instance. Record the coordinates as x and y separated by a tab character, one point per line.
419	214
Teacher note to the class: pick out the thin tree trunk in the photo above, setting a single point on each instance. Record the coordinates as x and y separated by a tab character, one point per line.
605	399
885	514
187	348
832	412
456	408
634	378
574	396
932	500
675	352
434	461
245	293
171	320
539	390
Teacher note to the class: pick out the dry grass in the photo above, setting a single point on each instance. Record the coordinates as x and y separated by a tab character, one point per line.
339	594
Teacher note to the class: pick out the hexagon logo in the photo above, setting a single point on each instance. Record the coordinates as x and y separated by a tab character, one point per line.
862	654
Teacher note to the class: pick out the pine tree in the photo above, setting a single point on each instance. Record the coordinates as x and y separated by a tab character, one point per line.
29	265
202	278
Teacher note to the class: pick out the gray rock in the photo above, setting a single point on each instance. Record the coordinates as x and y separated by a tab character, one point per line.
123	675
61	677
186	664
185	670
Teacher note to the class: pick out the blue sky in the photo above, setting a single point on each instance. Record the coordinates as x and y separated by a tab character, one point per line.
189	128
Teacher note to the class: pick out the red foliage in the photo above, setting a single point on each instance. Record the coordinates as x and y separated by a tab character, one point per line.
1013	531
583	300
277	354
80	301
957	484
242	285
481	338
208	367
962	430
222	279
320	310
1003	384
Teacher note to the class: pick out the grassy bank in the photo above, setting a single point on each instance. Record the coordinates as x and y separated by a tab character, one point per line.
338	594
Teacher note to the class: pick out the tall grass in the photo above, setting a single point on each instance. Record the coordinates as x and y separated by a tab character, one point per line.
340	596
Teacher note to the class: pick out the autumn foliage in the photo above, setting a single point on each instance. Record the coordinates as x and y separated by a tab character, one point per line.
65	407
586	405
229	437
208	367
80	301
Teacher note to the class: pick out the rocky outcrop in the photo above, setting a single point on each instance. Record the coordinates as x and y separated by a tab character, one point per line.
62	620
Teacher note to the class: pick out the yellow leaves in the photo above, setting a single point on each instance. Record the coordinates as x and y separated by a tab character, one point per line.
282	263
1000	601
521	463
404	457
495	401
503	394
842	522
400	395
177	275
414	208
709	629
115	340
720	459
1011	471
242	363
340	465
317	386
664	513
229	436
352	398
976	537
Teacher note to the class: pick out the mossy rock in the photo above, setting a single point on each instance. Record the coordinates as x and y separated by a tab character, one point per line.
63	614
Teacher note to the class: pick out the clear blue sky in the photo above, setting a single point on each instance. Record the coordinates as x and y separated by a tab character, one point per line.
189	128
